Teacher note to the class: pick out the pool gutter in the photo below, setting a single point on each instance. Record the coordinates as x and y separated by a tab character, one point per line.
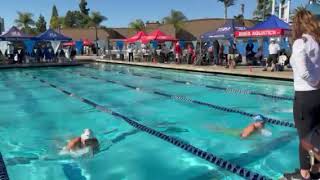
272	76
11	66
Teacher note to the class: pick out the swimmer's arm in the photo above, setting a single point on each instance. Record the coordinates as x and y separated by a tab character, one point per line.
71	145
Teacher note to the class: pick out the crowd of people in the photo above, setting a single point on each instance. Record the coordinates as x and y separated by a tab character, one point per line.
218	53
16	54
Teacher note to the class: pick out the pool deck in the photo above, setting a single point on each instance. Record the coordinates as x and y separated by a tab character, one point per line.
239	71
8	66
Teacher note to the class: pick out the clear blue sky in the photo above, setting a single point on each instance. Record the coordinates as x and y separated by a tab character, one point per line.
122	12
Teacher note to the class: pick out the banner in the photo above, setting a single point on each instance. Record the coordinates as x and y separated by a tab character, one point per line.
260	33
120	45
266	47
3	46
55	45
194	43
154	44
182	44
29	44
79	46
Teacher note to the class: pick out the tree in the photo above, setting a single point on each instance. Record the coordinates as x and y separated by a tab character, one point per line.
239	19
96	19
83	7
76	19
41	24
25	21
264	8
137	25
176	18
227	4
54	21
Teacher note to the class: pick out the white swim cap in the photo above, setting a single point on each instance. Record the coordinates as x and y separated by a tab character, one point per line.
87	134
258	118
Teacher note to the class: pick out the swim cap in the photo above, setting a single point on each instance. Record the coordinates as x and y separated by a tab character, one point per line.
258	118
87	134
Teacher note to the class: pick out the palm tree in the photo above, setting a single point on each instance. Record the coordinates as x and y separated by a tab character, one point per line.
239	19
176	18
137	25
96	19
227	3
25	21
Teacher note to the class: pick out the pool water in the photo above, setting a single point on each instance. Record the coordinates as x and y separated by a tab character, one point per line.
38	120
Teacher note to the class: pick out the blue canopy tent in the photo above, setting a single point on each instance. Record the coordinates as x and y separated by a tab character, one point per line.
273	26
51	35
14	34
224	32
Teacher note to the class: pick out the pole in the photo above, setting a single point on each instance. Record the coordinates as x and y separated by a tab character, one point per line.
280	10
288	11
264	9
273	7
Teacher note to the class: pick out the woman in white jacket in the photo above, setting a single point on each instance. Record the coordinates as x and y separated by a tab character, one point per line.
305	61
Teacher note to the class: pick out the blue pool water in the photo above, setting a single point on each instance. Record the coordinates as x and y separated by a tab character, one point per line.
37	121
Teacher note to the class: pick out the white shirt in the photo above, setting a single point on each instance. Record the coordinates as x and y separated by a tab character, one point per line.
274	48
305	62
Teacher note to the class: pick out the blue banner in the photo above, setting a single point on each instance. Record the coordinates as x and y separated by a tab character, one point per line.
182	44
266	47
79	46
120	45
29	44
154	44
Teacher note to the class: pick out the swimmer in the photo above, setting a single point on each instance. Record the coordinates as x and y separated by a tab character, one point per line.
257	125
86	140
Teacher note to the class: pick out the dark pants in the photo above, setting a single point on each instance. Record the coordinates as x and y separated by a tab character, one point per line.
273	58
130	57
306	111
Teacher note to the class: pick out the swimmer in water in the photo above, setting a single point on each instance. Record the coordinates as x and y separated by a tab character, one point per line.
86	140
257	125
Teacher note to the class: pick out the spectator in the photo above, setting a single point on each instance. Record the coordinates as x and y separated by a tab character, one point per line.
305	61
178	52
274	49
216	47
190	54
221	54
232	55
130	52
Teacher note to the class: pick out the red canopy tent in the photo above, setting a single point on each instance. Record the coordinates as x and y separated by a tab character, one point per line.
136	37
157	35
87	42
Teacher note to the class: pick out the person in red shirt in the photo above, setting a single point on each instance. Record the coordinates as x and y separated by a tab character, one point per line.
178	52
190	54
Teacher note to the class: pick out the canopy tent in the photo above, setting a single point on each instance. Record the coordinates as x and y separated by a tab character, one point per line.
87	42
314	8
14	34
51	35
272	27
224	32
136	37
157	35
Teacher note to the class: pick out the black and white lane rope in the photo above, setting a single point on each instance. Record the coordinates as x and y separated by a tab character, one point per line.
226	89
185	99
3	170
224	164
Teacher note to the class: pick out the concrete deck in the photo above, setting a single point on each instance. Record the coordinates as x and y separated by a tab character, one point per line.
239	71
6	66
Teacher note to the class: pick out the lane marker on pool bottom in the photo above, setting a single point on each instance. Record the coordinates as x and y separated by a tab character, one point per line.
185	99
228	90
3	170
236	169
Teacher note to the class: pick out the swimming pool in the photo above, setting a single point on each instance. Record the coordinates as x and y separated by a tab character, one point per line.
200	110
